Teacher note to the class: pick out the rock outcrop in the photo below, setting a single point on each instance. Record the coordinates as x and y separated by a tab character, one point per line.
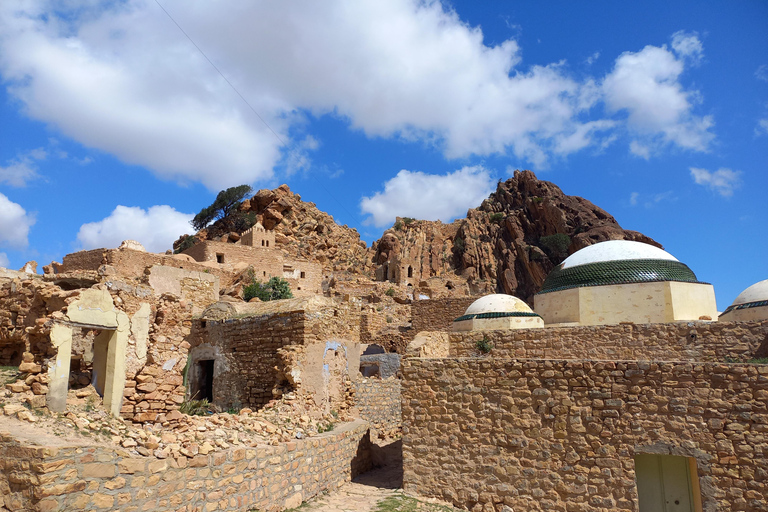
301	230
509	244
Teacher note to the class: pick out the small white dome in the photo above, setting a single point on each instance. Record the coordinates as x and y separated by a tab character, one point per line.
497	303
613	250
755	293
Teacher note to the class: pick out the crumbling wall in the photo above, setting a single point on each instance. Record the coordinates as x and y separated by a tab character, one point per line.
269	478
680	341
246	354
562	435
199	288
438	314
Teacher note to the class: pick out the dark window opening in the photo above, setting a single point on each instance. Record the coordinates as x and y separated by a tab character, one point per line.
265	273
410	271
204	388
303	275
262	243
219	258
267	243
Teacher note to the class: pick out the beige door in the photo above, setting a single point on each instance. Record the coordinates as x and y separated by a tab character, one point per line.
665	484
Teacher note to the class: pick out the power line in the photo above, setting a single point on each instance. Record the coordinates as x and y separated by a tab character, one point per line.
277	136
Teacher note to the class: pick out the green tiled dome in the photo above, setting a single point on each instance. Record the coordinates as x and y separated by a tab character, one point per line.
617	272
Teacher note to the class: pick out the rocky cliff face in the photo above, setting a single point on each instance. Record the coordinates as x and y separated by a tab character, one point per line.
510	243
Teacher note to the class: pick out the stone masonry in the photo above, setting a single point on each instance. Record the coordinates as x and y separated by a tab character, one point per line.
561	435
36	478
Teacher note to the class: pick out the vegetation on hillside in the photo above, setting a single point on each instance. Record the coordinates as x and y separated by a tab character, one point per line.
226	203
274	289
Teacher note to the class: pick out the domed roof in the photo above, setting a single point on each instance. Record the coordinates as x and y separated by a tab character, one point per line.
616	262
756	293
497	303
614	250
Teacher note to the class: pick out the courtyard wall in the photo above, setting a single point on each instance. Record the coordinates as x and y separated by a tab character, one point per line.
679	341
561	435
378	402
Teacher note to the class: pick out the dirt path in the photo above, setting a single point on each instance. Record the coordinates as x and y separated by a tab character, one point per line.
377	490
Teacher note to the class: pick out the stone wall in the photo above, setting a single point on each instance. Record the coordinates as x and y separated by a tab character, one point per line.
249	363
562	435
267	478
438	314
681	341
377	401
131	263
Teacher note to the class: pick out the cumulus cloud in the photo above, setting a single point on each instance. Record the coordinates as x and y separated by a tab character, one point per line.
14	224
120	77
156	228
660	111
722	181
4	262
428	196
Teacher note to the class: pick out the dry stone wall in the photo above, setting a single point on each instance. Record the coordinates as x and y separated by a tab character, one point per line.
37	478
680	341
438	314
561	435
377	401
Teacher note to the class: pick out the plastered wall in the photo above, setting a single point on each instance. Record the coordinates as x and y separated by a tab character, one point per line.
657	302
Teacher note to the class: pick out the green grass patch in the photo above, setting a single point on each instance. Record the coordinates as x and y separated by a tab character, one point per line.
403	503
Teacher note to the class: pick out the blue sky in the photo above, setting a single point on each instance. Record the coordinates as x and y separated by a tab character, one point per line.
114	126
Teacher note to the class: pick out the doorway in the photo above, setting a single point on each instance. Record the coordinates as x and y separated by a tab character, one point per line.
202	385
667	483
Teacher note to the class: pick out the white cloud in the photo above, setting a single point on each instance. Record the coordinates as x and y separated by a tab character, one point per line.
639	149
120	77
22	168
155	228
688	45
723	181
762	126
14	224
646	85
762	73
4	262
633	198
428	196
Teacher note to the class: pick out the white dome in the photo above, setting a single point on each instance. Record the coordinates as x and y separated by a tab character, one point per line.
755	293
613	250
497	303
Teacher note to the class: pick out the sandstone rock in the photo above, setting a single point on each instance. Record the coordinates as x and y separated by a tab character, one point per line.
39	389
30	368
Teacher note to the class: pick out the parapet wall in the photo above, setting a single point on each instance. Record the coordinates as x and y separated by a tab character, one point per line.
37	478
680	341
540	435
438	314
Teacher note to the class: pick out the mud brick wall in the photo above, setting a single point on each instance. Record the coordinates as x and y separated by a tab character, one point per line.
680	341
370	325
83	260
266	478
438	314
562	435
377	401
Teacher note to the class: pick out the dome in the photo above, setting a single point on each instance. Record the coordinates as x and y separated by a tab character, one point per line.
754	296
497	311
614	250
617	262
497	303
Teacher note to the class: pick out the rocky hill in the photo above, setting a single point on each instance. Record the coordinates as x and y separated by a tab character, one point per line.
301	230
509	244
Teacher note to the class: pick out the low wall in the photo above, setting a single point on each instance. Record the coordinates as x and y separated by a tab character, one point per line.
562	435
680	341
266	478
377	401
438	314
